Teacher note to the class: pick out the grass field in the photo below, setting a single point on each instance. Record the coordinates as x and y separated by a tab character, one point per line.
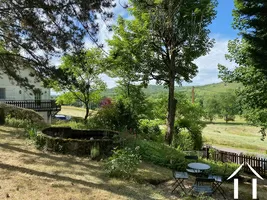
237	134
74	111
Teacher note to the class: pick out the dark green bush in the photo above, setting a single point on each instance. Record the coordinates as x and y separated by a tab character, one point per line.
160	154
183	141
149	129
118	117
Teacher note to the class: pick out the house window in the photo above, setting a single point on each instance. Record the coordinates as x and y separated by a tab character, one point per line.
2	93
37	96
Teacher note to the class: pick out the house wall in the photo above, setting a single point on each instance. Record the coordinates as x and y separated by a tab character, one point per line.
15	92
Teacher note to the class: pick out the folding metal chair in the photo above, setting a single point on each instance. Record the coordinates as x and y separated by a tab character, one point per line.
179	180
203	186
219	181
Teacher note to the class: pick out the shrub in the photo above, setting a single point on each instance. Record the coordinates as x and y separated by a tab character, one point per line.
116	117
31	132
72	124
219	168
123	163
95	152
149	129
17	123
183	141
24	123
160	154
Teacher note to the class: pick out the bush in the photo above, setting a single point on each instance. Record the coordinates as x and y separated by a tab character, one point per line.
95	152
72	124
149	129
220	168
160	154
17	123
118	117
183	141
26	124
123	163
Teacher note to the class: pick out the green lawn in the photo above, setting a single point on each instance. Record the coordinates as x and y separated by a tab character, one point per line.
74	111
236	134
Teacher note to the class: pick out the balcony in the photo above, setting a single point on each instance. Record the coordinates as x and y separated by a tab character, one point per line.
42	105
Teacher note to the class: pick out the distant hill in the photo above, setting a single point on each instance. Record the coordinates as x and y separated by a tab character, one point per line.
210	89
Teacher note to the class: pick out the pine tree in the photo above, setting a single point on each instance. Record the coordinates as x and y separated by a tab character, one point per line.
250	17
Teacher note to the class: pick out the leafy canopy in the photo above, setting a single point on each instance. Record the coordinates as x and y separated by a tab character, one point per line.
32	32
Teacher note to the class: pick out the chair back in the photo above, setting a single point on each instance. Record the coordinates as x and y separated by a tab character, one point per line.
201	180
191	157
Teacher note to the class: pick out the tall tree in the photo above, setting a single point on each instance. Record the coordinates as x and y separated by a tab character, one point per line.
162	42
32	32
250	18
79	75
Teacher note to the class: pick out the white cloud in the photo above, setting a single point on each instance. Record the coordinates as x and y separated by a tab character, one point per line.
208	64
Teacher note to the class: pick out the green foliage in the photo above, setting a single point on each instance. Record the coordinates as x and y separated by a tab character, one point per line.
79	75
159	105
228	106
219	168
95	152
249	54
136	48
123	163
252	95
17	123
160	154
250	19
133	96
189	116
211	107
48	27
31	132
66	98
183	141
117	116
149	129
72	124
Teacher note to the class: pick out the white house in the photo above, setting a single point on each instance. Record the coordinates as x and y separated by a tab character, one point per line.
38	100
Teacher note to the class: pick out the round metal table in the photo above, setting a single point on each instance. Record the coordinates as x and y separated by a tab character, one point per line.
198	166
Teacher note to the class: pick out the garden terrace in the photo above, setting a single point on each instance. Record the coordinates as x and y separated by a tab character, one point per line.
76	142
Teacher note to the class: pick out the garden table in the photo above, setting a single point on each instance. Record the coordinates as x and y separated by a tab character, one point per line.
198	167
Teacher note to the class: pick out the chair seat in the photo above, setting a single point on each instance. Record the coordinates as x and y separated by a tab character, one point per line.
202	189
193	171
180	175
215	177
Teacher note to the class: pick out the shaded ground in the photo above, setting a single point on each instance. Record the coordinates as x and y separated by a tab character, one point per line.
26	173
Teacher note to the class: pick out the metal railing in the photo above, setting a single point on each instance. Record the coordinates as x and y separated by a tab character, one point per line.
38	105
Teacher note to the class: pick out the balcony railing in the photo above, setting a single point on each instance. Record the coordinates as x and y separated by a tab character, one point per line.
42	105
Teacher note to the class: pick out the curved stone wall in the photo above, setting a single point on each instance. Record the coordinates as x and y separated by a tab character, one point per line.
76	142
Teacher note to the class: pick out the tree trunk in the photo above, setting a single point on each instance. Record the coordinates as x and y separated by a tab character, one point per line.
87	113
171	113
